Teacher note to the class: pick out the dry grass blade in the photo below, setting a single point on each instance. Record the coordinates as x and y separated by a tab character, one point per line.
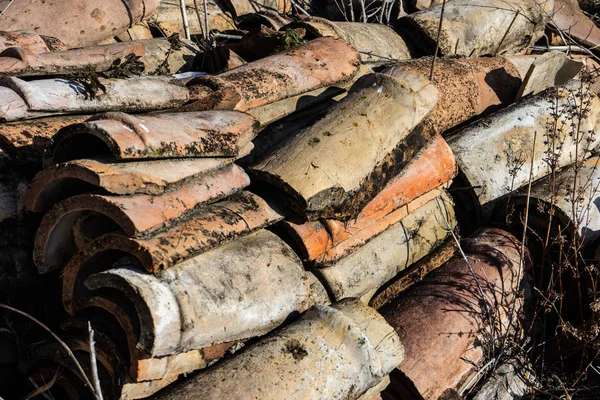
41	390
206	26
477	376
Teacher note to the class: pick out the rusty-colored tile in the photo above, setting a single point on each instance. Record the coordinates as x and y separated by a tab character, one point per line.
84	24
568	17
28	41
439	319
360	271
18	61
143	177
466	87
312	168
26	141
171	135
277	77
433	167
132	215
221	222
152	53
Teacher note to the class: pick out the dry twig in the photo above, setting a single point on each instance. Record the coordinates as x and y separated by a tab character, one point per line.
437	42
93	362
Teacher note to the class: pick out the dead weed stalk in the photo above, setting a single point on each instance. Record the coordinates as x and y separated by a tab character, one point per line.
554	332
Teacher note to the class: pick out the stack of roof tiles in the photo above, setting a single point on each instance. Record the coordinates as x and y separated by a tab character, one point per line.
262	213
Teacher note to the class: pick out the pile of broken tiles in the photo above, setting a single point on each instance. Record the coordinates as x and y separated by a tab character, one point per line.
281	217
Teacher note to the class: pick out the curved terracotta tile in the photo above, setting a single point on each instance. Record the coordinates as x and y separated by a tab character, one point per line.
440	319
240	290
474	28
75	23
155	177
466	87
360	271
21	99
375	43
218	224
494	154
432	167
379	123
27	40
569	18
318	63
18	61
570	199
132	215
338	351
170	135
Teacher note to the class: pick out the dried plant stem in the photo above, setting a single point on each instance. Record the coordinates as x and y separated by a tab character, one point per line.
371	54
43	390
93	362
186	25
437	42
364	11
484	299
299	8
6	8
523	240
206	26
383	8
572	49
506	33
203	28
60	341
475	378
526	221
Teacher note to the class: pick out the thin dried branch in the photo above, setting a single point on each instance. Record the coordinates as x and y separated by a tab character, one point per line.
94	363
437	42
